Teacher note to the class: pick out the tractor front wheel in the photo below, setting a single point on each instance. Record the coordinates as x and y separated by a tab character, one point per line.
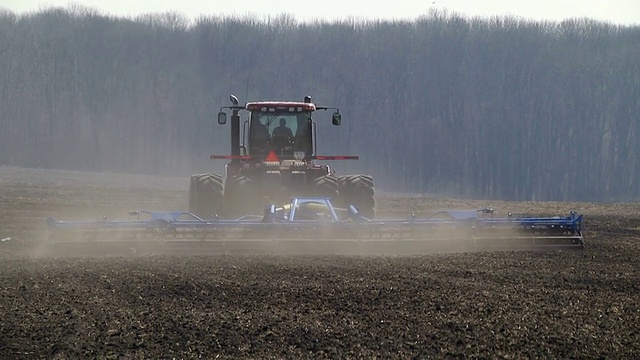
206	196
326	186
358	190
242	196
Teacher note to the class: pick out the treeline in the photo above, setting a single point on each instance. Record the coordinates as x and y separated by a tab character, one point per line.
494	108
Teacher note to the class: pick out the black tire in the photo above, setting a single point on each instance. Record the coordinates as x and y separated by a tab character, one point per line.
358	190
206	195
242	196
326	186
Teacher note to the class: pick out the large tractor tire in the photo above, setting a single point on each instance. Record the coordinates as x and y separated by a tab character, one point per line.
326	186
242	196
358	190
206	195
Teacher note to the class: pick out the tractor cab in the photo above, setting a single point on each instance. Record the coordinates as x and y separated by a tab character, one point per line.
285	129
285	133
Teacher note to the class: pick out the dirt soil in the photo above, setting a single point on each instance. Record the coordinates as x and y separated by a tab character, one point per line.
503	304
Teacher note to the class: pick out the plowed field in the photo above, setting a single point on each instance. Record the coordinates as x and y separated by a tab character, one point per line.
507	304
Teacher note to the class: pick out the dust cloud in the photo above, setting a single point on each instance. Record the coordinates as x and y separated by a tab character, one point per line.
32	195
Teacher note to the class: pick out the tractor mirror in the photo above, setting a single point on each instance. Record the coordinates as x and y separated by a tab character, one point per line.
336	119
222	118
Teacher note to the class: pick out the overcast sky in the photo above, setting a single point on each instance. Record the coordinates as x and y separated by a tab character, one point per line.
616	11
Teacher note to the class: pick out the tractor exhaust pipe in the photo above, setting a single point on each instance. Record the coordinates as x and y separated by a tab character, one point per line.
235	128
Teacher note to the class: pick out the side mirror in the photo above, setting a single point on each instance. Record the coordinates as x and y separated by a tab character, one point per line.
222	118
336	119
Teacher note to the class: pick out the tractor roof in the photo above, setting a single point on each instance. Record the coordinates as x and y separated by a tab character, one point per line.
290	106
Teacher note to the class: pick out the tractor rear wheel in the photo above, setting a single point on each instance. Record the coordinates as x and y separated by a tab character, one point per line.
206	196
358	190
326	186
242	196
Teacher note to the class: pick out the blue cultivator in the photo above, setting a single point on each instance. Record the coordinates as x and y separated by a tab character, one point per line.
314	225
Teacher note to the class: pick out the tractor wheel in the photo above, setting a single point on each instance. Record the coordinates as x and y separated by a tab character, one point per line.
326	186
206	197
358	190
242	196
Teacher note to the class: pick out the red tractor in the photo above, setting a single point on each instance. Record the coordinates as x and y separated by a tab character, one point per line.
273	159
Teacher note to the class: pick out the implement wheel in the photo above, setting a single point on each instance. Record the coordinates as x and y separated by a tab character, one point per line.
358	190
206	196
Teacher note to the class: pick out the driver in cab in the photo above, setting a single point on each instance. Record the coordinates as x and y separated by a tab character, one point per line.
282	135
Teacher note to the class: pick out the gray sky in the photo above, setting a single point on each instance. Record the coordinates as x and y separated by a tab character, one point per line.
616	11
